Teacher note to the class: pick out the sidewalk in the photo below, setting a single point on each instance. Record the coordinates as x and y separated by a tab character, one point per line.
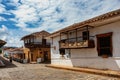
88	70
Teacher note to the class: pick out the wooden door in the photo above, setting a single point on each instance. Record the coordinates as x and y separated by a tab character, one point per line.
45	55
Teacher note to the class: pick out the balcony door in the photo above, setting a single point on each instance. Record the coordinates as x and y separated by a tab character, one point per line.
44	41
85	35
104	44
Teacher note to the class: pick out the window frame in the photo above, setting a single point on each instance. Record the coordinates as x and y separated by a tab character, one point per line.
111	45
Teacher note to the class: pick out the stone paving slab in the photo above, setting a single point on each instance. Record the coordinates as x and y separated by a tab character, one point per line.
54	74
40	72
88	70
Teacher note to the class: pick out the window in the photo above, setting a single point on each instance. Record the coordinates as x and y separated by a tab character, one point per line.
29	40
44	41
62	51
85	35
104	44
32	39
25	41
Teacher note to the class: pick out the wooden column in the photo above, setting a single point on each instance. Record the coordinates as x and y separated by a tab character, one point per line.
52	40
87	32
60	41
68	38
60	36
76	34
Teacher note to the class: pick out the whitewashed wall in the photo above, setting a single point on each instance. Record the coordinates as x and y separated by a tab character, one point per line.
55	55
89	57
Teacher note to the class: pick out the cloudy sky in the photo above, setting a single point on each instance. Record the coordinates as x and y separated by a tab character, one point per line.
22	17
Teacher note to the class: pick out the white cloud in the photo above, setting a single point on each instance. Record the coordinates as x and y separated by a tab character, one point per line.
14	41
3	29
14	36
49	14
31	11
3	32
11	36
13	3
2	19
2	8
25	14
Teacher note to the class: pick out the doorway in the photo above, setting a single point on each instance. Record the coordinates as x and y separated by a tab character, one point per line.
32	57
45	56
104	44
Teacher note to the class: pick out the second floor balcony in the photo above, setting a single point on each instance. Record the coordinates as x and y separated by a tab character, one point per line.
37	45
76	43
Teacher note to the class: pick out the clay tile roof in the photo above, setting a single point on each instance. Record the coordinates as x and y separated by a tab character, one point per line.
18	49
2	43
36	34
15	50
41	33
95	19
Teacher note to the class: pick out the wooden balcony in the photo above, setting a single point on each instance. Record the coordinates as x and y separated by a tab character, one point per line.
37	45
67	44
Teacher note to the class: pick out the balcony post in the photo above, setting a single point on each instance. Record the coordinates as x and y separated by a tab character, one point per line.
76	34
67	35
52	40
33	39
60	36
68	39
87	33
60	41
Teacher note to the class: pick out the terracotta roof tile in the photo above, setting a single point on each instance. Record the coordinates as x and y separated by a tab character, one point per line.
95	19
36	34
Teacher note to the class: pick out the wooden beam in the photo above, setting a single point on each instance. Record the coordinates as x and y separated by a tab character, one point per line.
76	35
60	36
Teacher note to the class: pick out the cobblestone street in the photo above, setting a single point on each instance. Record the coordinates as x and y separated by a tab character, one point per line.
40	72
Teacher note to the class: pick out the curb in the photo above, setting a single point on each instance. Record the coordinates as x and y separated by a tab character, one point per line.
87	70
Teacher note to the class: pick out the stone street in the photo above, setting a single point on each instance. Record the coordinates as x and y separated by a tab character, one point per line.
40	72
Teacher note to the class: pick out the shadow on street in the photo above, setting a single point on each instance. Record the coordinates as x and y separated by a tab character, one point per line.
7	63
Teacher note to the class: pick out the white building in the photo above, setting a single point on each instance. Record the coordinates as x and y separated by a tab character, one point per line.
94	43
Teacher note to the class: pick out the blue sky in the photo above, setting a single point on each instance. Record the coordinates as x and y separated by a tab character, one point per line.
21	17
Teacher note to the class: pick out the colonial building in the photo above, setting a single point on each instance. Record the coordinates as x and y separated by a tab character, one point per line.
17	54
94	43
38	46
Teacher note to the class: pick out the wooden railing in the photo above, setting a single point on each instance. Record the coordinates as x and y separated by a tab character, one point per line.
37	44
77	43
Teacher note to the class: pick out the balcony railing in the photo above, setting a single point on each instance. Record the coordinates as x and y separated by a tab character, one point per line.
77	43
37	44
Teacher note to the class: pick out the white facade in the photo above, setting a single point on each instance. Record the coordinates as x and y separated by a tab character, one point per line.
88	57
